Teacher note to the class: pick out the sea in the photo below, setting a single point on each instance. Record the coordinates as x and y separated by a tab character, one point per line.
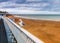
53	17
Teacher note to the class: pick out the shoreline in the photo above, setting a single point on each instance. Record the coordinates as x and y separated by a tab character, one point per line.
48	19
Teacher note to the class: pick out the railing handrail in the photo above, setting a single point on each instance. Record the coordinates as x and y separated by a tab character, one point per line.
32	37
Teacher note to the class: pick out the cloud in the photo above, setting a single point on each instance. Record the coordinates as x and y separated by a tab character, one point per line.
17	11
33	5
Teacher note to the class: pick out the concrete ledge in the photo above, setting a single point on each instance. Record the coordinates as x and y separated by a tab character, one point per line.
32	37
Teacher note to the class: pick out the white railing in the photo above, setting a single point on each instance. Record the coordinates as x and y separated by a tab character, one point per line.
21	35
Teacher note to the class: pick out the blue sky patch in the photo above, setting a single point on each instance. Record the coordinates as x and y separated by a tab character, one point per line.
3	0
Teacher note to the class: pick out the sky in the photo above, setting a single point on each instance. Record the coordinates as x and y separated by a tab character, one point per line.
30	6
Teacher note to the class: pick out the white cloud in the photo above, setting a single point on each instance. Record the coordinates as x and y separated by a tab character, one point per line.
31	6
17	11
53	5
6	4
33	0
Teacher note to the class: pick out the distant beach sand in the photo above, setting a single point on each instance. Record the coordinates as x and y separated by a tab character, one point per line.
47	31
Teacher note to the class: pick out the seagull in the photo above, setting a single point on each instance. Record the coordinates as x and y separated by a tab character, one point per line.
21	22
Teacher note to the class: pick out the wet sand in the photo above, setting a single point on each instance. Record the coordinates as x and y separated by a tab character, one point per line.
47	31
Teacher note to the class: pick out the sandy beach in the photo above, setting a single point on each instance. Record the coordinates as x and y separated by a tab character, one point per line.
47	31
